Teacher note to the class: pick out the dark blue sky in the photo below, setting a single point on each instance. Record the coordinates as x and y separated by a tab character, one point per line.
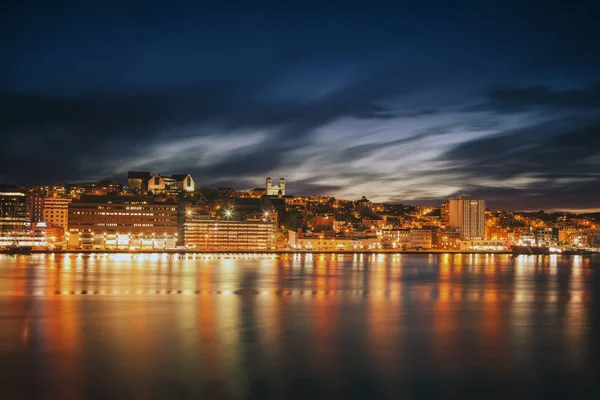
411	102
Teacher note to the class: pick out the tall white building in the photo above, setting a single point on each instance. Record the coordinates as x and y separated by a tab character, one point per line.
468	216
275	190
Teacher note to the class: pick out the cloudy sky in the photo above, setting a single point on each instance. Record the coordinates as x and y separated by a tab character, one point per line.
407	103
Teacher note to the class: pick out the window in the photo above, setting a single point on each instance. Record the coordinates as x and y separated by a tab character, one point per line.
189	181
156	180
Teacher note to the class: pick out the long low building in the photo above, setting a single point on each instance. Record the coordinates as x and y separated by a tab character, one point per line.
403	239
313	243
224	235
120	241
483	245
28	239
325	244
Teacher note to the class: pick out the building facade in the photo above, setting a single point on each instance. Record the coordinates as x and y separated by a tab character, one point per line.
396	238
173	184
445	214
156	184
468	216
326	244
421	239
14	210
483	245
56	212
224	235
546	236
274	190
183	183
123	222
36	207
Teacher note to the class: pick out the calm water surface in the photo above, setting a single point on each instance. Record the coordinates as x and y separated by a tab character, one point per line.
304	326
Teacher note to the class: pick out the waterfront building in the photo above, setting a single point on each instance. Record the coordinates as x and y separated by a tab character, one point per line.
325	244
14	212
15	219
33	239
526	241
396	238
225	235
321	243
367	243
127	222
421	239
274	190
449	240
524	235
498	233
53	236
483	245
468	216
579	240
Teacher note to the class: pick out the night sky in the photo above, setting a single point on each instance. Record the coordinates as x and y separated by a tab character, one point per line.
407	103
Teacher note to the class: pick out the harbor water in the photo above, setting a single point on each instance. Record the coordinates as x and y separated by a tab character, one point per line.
309	326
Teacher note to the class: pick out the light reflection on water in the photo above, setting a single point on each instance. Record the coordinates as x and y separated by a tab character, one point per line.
298	326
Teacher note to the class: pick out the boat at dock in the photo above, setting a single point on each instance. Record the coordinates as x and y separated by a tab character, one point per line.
24	250
530	250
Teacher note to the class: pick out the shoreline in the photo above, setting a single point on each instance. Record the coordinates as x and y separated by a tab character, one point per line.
269	252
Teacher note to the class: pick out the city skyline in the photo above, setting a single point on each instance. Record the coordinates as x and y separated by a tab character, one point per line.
166	213
414	105
128	185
